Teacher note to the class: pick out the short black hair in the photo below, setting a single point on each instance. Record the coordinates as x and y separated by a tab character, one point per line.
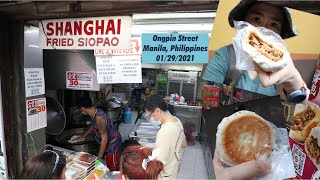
127	143
156	102
85	102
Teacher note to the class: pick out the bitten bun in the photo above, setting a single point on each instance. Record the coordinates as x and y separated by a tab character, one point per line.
270	56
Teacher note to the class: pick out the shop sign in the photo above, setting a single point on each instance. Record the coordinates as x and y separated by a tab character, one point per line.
86	33
118	69
79	80
175	48
36	114
133	51
34	81
182	76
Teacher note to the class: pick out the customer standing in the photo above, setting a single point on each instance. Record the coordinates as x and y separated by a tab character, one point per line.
170	138
106	133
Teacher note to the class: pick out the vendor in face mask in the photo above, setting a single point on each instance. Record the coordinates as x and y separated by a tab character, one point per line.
170	138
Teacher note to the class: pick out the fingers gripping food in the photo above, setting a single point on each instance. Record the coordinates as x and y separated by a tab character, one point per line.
312	146
306	116
244	136
268	55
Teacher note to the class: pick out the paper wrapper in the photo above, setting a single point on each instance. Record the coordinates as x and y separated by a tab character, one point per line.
244	61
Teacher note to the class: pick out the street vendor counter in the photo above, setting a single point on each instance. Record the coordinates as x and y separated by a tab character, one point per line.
77	168
269	108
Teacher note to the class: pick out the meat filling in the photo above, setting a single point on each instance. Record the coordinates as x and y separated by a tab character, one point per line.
313	148
301	120
264	48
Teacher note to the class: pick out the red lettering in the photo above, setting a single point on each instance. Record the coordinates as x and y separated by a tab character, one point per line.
77	28
92	42
49	28
87	28
114	41
110	27
99	41
48	41
99	27
68	28
119	26
55	42
59	28
80	42
63	42
106	41
70	42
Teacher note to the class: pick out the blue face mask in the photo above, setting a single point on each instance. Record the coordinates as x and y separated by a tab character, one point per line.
84	113
154	122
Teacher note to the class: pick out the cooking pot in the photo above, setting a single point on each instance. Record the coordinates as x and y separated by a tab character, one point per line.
113	107
88	145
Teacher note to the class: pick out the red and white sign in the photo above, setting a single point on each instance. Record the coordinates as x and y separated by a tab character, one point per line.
36	114
79	80
133	51
86	33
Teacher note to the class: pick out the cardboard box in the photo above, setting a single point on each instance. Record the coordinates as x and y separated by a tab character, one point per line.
210	101
304	166
315	87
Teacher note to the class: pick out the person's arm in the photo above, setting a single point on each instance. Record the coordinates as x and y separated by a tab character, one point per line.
102	126
289	77
184	143
218	67
162	144
89	131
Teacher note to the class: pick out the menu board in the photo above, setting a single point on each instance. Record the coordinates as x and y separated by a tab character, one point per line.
36	111
79	80
304	138
34	81
118	69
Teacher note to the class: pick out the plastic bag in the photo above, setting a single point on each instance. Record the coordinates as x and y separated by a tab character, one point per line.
281	158
243	60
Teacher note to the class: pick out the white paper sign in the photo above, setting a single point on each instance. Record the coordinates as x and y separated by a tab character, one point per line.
134	50
36	114
34	81
79	80
118	69
86	33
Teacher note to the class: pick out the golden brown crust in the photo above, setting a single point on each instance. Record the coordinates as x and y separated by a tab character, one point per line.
303	122
312	146
247	137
